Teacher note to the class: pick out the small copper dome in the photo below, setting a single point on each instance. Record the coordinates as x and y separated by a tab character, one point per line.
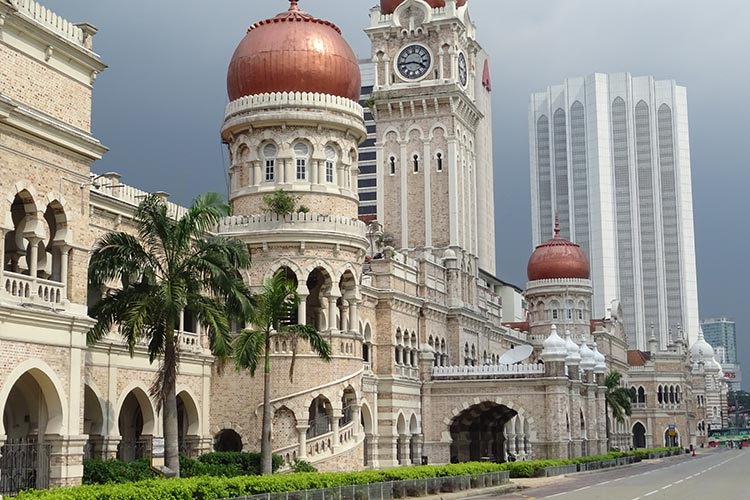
294	52
388	6
558	258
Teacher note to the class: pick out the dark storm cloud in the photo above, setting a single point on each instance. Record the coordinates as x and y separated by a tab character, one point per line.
159	106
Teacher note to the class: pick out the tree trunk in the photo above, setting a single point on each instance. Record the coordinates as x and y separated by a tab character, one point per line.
266	463
606	423
171	439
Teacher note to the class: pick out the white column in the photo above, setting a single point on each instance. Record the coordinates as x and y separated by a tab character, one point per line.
427	155
333	297
335	429
2	253
353	315
404	195
32	260
64	256
303	293
453	165
258	173
302	434
314	172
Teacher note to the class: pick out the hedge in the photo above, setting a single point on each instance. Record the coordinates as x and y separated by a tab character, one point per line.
220	464
213	488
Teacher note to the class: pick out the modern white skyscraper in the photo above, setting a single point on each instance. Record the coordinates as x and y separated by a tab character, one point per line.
611	155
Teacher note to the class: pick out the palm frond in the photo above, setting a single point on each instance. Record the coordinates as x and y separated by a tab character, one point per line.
249	348
212	314
115	256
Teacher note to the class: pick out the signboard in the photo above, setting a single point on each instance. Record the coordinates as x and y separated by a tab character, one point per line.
730	375
157	452
672	430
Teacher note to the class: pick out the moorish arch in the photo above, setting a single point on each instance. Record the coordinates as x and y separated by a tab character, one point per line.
34	389
478	432
136	422
94	425
188	422
639	435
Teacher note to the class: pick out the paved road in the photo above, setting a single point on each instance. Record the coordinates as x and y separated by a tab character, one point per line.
712	475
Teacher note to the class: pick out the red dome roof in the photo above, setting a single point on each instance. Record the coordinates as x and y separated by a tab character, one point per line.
558	258
294	52
388	6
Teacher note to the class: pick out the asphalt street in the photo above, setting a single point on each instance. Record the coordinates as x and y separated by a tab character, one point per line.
714	475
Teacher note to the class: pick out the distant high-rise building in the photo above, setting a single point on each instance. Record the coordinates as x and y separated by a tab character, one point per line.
610	154
721	334
368	181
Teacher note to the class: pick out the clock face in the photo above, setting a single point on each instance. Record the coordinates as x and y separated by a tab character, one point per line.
462	73
414	61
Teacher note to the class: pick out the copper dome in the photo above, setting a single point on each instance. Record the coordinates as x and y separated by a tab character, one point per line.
558	258
293	52
388	6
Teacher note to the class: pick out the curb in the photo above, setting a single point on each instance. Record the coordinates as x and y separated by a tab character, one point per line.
492	490
619	467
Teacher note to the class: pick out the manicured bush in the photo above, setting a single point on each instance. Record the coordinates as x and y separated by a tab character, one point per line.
303	466
96	471
249	463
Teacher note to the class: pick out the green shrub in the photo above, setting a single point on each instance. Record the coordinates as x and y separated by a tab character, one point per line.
303	466
96	471
248	463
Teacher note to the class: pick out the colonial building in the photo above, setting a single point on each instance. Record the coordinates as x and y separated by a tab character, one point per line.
434	358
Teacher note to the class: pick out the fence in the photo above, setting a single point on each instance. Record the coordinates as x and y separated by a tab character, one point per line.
559	470
391	490
24	464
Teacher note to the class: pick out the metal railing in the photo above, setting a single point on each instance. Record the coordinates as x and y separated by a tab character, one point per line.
24	464
391	490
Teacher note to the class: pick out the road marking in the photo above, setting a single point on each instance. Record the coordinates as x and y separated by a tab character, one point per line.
667	486
584	488
605	482
637	498
651	493
557	494
678	482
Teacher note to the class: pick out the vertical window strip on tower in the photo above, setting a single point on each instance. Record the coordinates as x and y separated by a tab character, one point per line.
330	160
622	208
544	177
646	214
301	152
670	215
580	175
269	153
561	172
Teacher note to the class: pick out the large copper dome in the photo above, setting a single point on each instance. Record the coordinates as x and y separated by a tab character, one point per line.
388	6
293	52
558	258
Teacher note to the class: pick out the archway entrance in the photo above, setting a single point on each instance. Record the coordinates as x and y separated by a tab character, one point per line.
639	435
32	412
135	423
671	437
188	434
93	423
477	433
227	440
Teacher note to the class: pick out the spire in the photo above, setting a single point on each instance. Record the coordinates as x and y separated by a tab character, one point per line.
557	225
293	6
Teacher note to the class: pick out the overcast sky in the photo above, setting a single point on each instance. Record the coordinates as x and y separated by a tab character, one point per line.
160	104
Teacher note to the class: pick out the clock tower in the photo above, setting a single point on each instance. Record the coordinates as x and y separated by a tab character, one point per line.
432	110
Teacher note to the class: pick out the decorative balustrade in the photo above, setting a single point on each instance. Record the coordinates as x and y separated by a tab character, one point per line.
487	371
286	100
50	20
23	286
190	342
307	222
320	445
111	187
407	371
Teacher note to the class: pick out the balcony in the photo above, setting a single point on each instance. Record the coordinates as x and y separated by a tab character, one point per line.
487	371
24	288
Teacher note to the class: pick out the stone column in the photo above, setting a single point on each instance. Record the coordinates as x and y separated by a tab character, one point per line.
354	315
66	459
315	172
302	435
303	293
356	418
333	297
259	175
33	259
64	257
344	317
335	415
403	443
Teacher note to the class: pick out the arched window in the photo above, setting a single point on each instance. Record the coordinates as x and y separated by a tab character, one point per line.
466	354
416	163
641	395
439	157
677	395
269	154
660	395
392	161
330	161
301	152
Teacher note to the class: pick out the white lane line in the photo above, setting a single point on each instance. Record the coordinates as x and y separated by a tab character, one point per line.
678	482
637	498
651	493
689	477
605	482
584	488
618	479
667	486
557	494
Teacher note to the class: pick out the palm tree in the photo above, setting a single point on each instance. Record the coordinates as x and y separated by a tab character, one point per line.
170	266
617	398
270	320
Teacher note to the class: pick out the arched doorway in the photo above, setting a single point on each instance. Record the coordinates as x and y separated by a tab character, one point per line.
367	422
93	423
671	437
319	419
188	426
639	435
318	310
136	425
32	411
227	440
477	433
